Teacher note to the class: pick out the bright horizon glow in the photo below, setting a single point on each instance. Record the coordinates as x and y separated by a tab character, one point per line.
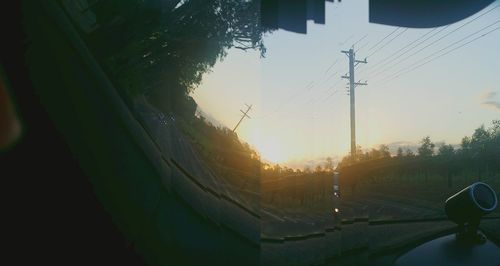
293	123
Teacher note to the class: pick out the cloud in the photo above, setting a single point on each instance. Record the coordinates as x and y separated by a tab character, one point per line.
492	104
487	100
401	143
488	96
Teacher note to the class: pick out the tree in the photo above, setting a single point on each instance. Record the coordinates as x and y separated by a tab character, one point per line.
319	169
493	149
426	148
307	170
465	144
384	151
465	150
495	129
479	141
400	152
329	164
165	47
359	154
277	169
446	150
409	153
374	154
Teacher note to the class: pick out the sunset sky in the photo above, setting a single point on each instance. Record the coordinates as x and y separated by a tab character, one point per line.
301	110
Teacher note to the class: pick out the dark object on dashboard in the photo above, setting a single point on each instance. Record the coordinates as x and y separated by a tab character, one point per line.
446	250
468	246
468	206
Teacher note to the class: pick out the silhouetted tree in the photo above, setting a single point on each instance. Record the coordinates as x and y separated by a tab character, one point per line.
307	170
400	152
165	47
329	164
319	169
478	155
277	169
384	151
446	150
374	154
426	148
409	153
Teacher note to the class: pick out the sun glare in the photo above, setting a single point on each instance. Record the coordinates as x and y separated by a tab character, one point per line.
271	150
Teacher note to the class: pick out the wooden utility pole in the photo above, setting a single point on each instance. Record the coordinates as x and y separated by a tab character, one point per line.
243	116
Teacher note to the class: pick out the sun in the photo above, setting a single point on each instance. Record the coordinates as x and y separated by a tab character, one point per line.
271	150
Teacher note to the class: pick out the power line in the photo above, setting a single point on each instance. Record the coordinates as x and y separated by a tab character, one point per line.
307	87
404	47
387	43
371	48
362	38
362	46
331	76
384	68
310	85
328	69
412	66
447	52
314	101
442	37
320	101
331	94
350	37
346	40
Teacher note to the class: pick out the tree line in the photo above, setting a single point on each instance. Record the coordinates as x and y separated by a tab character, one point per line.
476	156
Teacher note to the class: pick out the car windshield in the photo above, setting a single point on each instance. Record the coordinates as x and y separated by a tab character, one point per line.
334	124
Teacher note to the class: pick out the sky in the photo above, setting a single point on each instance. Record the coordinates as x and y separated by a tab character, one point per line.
300	106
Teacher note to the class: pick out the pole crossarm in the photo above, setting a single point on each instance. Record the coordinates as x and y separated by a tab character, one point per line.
356	62
360	83
245	114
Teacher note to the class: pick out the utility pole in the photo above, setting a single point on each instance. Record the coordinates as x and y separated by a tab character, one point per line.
352	85
243	116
